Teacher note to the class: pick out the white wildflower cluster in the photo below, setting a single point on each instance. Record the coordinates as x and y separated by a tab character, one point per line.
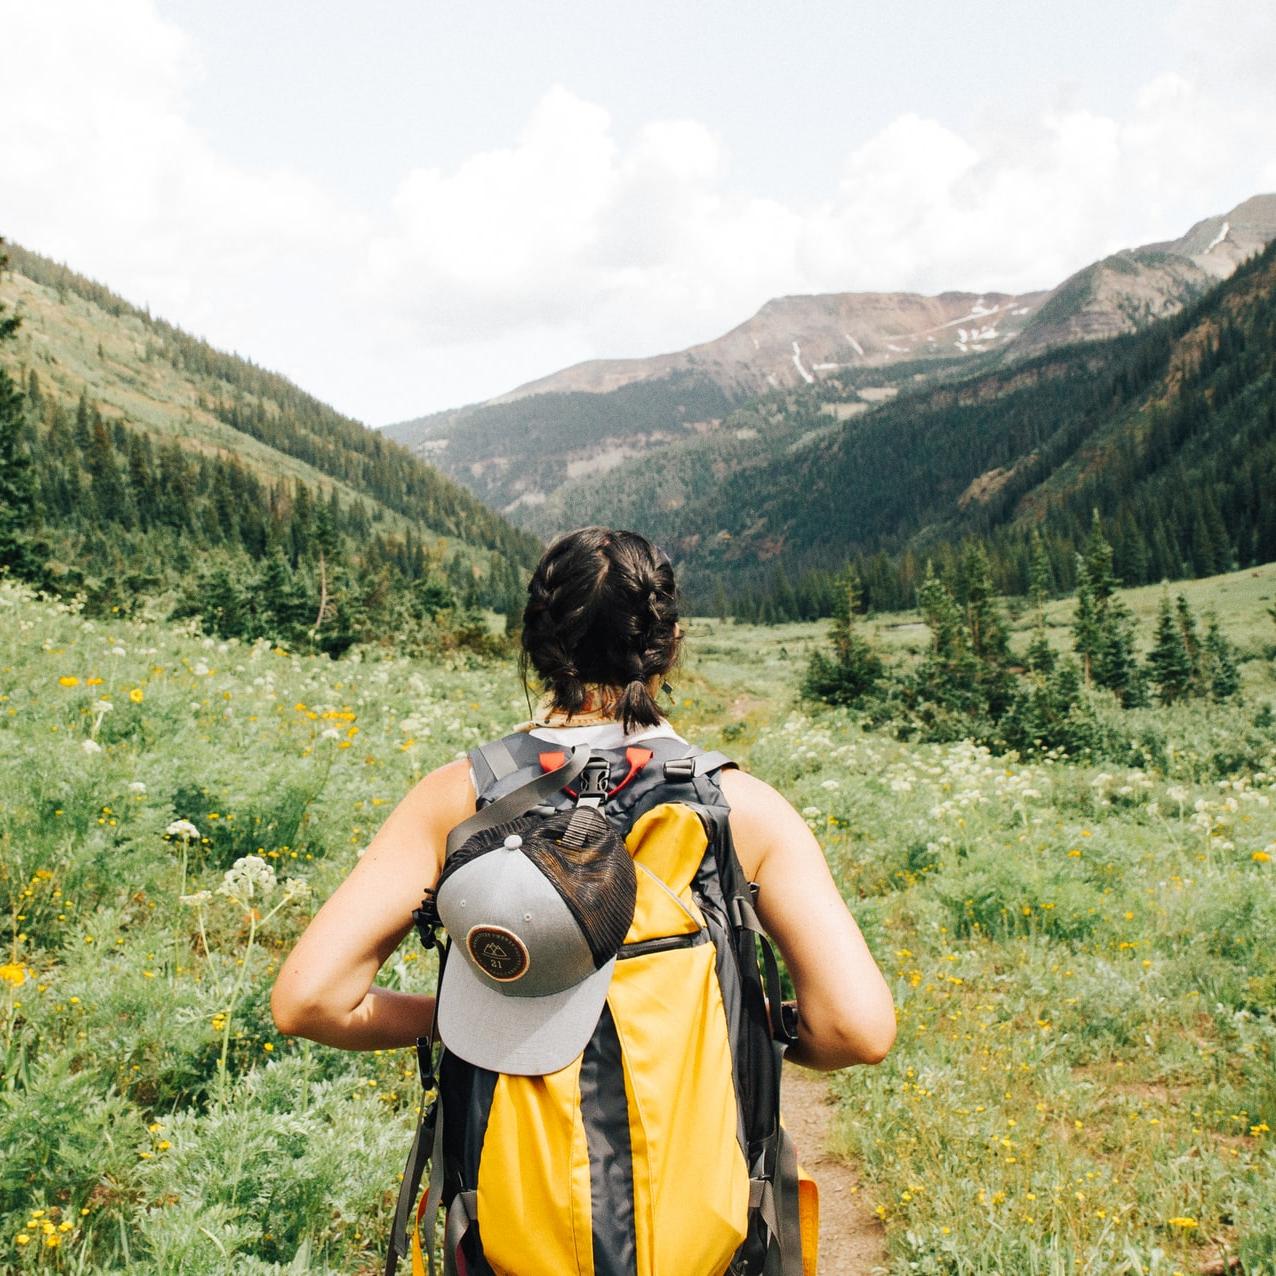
137	787
183	829
416	726
296	888
1024	784
1220	820
90	746
249	877
265	683
197	900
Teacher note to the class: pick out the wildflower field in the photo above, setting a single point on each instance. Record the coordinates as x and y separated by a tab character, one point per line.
1083	959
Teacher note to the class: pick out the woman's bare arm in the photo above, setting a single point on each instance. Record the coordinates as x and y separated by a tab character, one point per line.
846	1011
324	989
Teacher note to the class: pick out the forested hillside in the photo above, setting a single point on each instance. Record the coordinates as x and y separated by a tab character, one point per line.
1169	433
513	453
155	457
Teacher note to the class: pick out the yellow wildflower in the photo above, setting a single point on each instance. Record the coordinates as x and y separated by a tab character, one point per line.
137	695
68	680
15	973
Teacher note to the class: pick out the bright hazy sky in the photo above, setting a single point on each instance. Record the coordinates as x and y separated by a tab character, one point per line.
407	206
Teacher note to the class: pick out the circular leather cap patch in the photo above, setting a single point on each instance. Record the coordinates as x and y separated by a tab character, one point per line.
498	953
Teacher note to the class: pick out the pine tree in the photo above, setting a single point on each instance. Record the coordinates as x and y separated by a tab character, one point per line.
1103	627
1169	666
1041	655
1086	630
984	623
1221	676
21	550
851	669
946	682
109	493
987	637
286	607
83	431
1191	639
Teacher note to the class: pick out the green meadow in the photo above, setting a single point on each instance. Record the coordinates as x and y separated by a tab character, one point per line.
1082	955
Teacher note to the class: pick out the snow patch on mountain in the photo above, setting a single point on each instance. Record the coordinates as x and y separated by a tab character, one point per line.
797	363
1218	239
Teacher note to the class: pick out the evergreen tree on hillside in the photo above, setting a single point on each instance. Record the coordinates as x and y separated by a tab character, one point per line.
21	550
1169	666
1086	631
285	600
1103	628
946	683
1218	665
850	670
1190	638
1041	656
987	638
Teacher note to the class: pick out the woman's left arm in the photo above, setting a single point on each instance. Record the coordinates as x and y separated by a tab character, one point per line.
324	989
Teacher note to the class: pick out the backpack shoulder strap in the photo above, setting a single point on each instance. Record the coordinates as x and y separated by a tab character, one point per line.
520	800
696	763
492	762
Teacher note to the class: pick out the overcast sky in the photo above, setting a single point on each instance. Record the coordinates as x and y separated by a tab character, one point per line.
408	206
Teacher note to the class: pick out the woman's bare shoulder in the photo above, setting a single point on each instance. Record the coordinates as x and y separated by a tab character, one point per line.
748	792
760	816
447	792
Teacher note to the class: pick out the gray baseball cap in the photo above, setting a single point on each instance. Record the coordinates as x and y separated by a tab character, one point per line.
535	924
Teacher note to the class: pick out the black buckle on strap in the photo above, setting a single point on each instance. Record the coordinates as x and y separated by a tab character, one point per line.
425	1062
427	920
680	769
593	782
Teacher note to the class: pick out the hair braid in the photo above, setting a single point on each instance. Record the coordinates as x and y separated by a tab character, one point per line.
602	608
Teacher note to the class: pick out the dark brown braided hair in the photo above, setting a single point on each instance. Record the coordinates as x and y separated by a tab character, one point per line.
602	608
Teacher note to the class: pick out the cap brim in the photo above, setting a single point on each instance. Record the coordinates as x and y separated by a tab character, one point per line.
526	1036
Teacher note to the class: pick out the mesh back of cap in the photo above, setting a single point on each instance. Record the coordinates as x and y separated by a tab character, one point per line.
596	880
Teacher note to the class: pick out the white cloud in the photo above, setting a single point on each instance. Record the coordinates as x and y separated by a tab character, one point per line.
574	241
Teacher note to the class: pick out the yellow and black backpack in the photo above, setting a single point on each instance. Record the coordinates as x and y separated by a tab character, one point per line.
658	1151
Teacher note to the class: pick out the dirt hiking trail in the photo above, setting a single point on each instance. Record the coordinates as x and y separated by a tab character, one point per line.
852	1242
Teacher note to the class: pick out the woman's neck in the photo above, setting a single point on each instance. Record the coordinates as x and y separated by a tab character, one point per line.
599	706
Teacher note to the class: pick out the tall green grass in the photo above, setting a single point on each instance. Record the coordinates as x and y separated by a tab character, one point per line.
1085	1075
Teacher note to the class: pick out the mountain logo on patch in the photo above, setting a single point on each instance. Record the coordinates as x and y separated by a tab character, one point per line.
498	953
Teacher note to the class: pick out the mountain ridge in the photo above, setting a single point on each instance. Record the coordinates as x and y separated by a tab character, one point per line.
522	451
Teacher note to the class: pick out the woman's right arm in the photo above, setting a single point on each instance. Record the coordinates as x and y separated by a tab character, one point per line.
846	1013
325	989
